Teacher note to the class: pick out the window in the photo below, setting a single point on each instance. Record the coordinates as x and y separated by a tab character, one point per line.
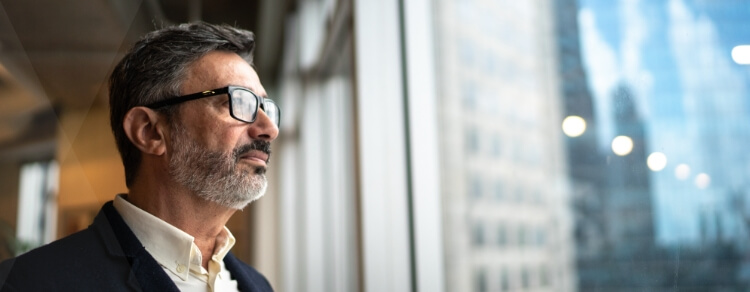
477	234
476	187
472	140
544	277
499	190
496	147
659	74
521	236
468	52
540	237
469	96
504	280
37	205
502	235
525	278
481	281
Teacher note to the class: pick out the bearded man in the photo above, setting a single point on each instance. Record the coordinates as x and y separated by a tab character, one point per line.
193	126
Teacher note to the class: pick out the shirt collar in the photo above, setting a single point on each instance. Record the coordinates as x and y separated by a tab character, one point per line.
171	247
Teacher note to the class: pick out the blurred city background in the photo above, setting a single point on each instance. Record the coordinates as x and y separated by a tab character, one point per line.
427	145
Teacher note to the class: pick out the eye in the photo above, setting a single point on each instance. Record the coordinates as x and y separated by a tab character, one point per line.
223	101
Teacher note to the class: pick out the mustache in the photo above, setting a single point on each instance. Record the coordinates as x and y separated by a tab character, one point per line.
259	145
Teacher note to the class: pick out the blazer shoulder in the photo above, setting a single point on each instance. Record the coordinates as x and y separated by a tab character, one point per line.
248	278
82	258
65	251
58	260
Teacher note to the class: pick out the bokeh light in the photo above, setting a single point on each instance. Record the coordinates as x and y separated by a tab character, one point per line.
622	145
682	171
702	180
741	54
656	161
574	126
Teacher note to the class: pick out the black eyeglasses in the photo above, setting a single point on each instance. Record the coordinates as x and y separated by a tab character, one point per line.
243	103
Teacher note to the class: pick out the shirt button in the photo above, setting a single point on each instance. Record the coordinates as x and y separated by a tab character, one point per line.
180	268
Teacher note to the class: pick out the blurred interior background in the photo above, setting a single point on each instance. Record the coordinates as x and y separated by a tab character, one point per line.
427	145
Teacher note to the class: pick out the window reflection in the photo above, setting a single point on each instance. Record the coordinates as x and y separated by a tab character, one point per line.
606	139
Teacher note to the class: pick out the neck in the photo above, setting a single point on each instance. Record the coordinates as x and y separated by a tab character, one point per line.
201	219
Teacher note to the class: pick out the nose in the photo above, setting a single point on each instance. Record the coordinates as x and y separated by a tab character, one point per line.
263	128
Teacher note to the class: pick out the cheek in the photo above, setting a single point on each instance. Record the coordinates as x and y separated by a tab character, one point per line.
220	136
216	129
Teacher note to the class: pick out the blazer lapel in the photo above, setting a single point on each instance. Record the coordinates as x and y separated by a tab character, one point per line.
145	273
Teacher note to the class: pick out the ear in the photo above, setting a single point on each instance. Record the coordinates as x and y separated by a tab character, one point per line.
144	128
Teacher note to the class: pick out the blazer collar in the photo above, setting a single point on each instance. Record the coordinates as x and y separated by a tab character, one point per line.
145	272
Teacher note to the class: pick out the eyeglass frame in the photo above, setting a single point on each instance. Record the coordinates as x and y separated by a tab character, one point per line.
260	101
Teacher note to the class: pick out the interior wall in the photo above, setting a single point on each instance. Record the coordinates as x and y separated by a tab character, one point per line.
91	172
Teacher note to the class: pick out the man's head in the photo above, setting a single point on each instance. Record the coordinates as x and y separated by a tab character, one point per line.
204	148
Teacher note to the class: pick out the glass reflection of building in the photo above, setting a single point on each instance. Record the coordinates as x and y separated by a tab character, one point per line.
507	224
584	161
688	103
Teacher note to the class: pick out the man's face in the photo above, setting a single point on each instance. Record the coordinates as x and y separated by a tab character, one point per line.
216	157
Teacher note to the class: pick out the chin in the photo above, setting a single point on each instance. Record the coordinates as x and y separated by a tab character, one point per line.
241	205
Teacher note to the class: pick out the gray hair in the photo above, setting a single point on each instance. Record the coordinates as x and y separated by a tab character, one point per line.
155	68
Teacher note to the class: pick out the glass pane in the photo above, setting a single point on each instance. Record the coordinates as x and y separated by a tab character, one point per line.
600	144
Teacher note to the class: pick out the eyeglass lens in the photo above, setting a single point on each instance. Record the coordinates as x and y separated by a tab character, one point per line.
272	111
245	106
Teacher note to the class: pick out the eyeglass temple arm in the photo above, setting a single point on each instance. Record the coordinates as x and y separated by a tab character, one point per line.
189	97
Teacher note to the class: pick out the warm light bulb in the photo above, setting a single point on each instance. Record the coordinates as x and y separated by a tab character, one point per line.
574	126
622	145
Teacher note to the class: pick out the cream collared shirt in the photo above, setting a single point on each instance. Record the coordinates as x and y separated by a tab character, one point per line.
176	251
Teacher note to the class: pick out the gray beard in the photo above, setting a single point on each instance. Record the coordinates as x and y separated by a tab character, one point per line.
213	175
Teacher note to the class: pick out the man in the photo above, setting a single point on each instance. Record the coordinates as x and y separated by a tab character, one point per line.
193	128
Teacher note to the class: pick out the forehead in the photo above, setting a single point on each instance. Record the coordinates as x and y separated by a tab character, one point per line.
219	69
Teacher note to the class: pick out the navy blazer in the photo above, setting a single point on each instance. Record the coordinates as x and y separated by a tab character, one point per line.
104	257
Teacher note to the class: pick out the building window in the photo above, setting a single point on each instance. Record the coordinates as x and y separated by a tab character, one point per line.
481	281
521	236
495	147
475	188
472	140
469	92
541	237
478	236
504	280
520	194
467	52
525	278
544	277
502	235
499	188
